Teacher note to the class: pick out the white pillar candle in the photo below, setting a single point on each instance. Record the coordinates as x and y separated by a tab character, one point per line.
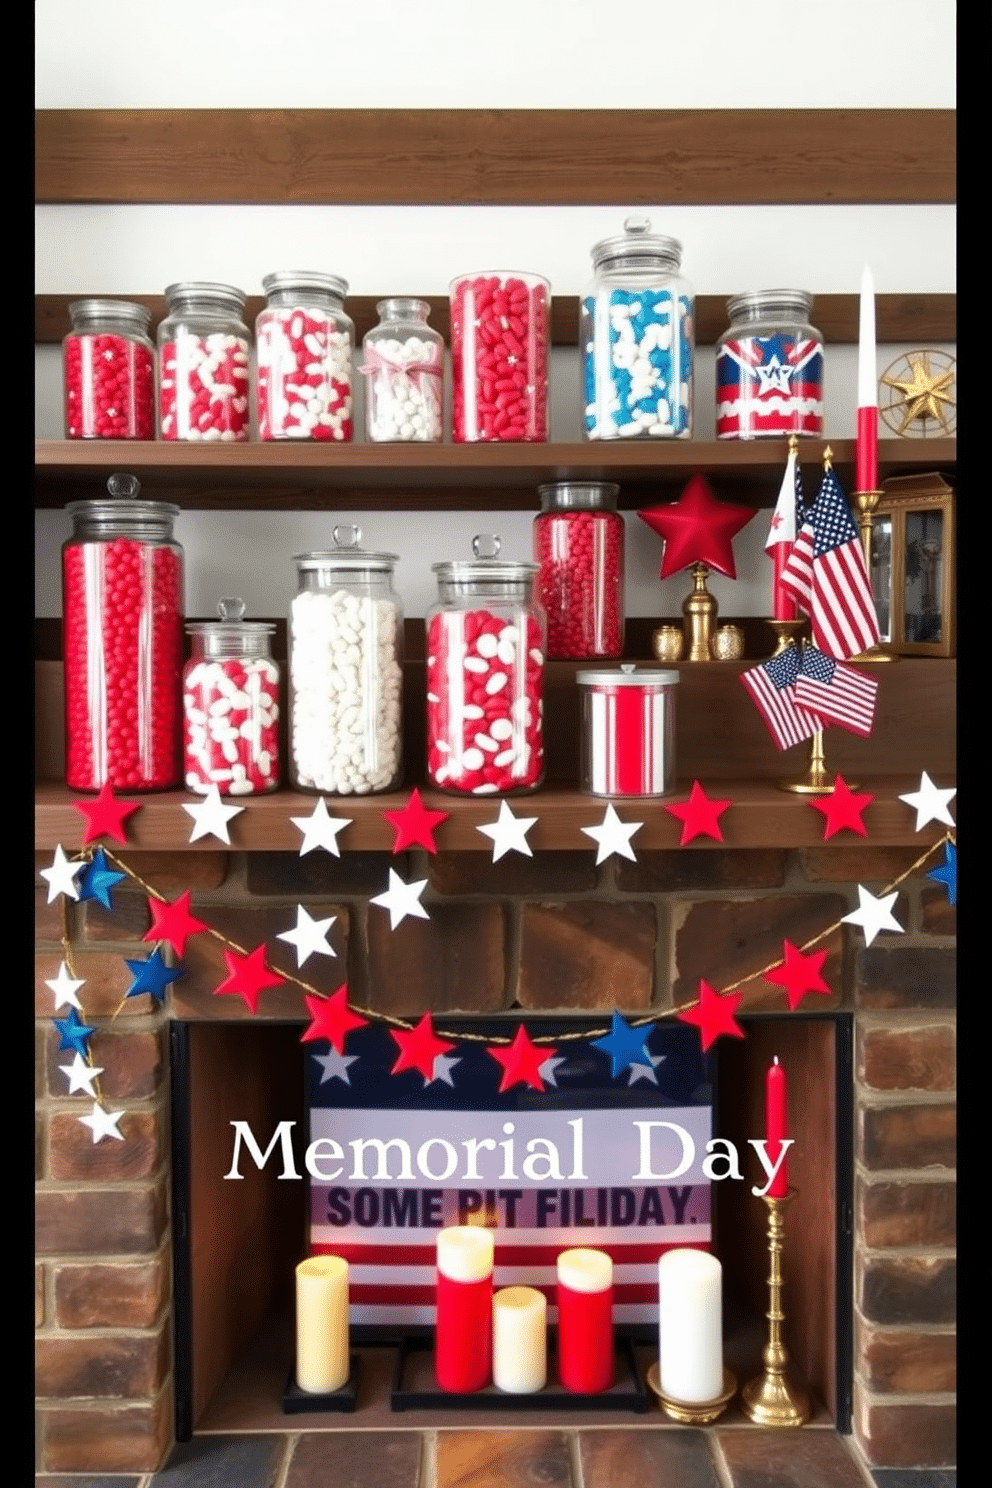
322	1362
690	1333
520	1340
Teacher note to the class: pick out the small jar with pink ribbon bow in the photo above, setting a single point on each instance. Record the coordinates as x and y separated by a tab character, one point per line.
403	366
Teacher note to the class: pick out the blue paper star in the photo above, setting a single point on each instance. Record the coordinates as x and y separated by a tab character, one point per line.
947	873
72	1032
152	976
625	1045
98	879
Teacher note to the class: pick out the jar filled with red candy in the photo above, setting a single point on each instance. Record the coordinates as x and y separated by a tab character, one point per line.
769	367
485	674
203	347
304	343
628	731
499	357
231	705
578	543
108	364
122	609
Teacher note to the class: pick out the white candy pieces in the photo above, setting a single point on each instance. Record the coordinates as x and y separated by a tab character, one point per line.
404	386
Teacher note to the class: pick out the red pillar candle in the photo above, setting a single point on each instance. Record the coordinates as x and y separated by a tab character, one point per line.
585	1321
463	1332
777	1126
866	449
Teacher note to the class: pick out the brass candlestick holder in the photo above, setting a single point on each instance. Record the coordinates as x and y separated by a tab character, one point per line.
865	503
770	1399
786	632
693	1412
700	611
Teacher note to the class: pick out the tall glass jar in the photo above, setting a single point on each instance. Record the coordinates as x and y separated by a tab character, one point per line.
636	338
231	705
403	364
578	543
305	343
499	357
485	675
122	621
108	365
769	367
203	348
345	670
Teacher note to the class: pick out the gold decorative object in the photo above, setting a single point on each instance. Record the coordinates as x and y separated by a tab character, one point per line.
771	1399
917	395
668	643
728	643
816	781
688	1412
866	502
787	632
913	566
700	611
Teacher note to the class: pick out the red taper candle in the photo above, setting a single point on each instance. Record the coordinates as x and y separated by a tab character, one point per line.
463	1331
585	1321
866	455
777	1126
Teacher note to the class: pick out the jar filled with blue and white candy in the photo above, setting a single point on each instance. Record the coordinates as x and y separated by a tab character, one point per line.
636	338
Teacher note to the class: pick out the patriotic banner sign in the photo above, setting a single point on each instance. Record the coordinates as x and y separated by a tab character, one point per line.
769	385
615	1164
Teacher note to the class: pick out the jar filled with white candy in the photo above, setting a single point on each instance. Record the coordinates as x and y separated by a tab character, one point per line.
345	671
485	675
305	344
636	338
203	349
231	705
403	365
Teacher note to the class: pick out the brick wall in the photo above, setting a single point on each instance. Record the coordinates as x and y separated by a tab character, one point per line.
551	932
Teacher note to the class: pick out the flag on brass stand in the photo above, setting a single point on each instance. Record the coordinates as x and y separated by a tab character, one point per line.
837	692
772	686
828	576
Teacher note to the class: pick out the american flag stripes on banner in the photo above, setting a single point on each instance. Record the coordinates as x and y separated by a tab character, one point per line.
772	686
828	576
837	692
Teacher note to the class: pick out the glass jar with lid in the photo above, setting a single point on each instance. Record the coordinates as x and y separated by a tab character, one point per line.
345	670
636	338
122	622
231	705
485	675
403	365
578	543
769	367
203	349
305	342
108	366
499	357
628	731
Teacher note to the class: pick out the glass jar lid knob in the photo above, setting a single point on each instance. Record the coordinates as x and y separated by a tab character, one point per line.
231	611
124	487
486	545
637	224
347	535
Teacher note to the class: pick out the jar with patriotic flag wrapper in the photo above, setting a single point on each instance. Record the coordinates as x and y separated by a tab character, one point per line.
769	367
628	731
403	366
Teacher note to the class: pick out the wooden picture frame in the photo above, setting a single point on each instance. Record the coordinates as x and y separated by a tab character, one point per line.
912	565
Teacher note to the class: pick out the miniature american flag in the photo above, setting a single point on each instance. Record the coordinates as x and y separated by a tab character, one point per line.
838	693
772	686
828	575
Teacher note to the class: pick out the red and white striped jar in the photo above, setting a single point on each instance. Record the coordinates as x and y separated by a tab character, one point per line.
628	731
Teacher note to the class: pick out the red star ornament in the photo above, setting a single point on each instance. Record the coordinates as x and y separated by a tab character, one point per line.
173	922
714	1015
105	815
843	808
699	815
415	824
697	529
799	974
521	1061
419	1047
332	1018
247	976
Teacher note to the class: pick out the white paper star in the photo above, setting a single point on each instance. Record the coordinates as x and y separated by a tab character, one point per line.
211	816
62	876
509	833
335	1065
641	1071
443	1065
874	914
321	830
547	1069
930	803
103	1123
402	899
613	836
309	937
64	988
774	376
81	1075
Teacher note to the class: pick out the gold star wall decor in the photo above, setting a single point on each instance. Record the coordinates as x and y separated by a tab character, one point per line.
917	395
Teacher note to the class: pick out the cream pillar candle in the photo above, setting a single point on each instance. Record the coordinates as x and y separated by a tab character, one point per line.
520	1340
322	1362
690	1333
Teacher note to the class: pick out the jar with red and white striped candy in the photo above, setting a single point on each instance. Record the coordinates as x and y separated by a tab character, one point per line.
578	542
108	364
499	357
628	731
485	675
203	374
231	705
122	620
305	343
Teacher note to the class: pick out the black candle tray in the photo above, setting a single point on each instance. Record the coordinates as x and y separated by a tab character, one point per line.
295	1401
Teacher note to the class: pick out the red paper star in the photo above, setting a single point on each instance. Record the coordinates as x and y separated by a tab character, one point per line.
714	1015
419	1047
173	922
698	529
699	815
105	815
415	824
843	808
521	1061
799	974
247	976
332	1018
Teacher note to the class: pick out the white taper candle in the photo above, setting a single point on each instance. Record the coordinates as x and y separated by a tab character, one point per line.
867	376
